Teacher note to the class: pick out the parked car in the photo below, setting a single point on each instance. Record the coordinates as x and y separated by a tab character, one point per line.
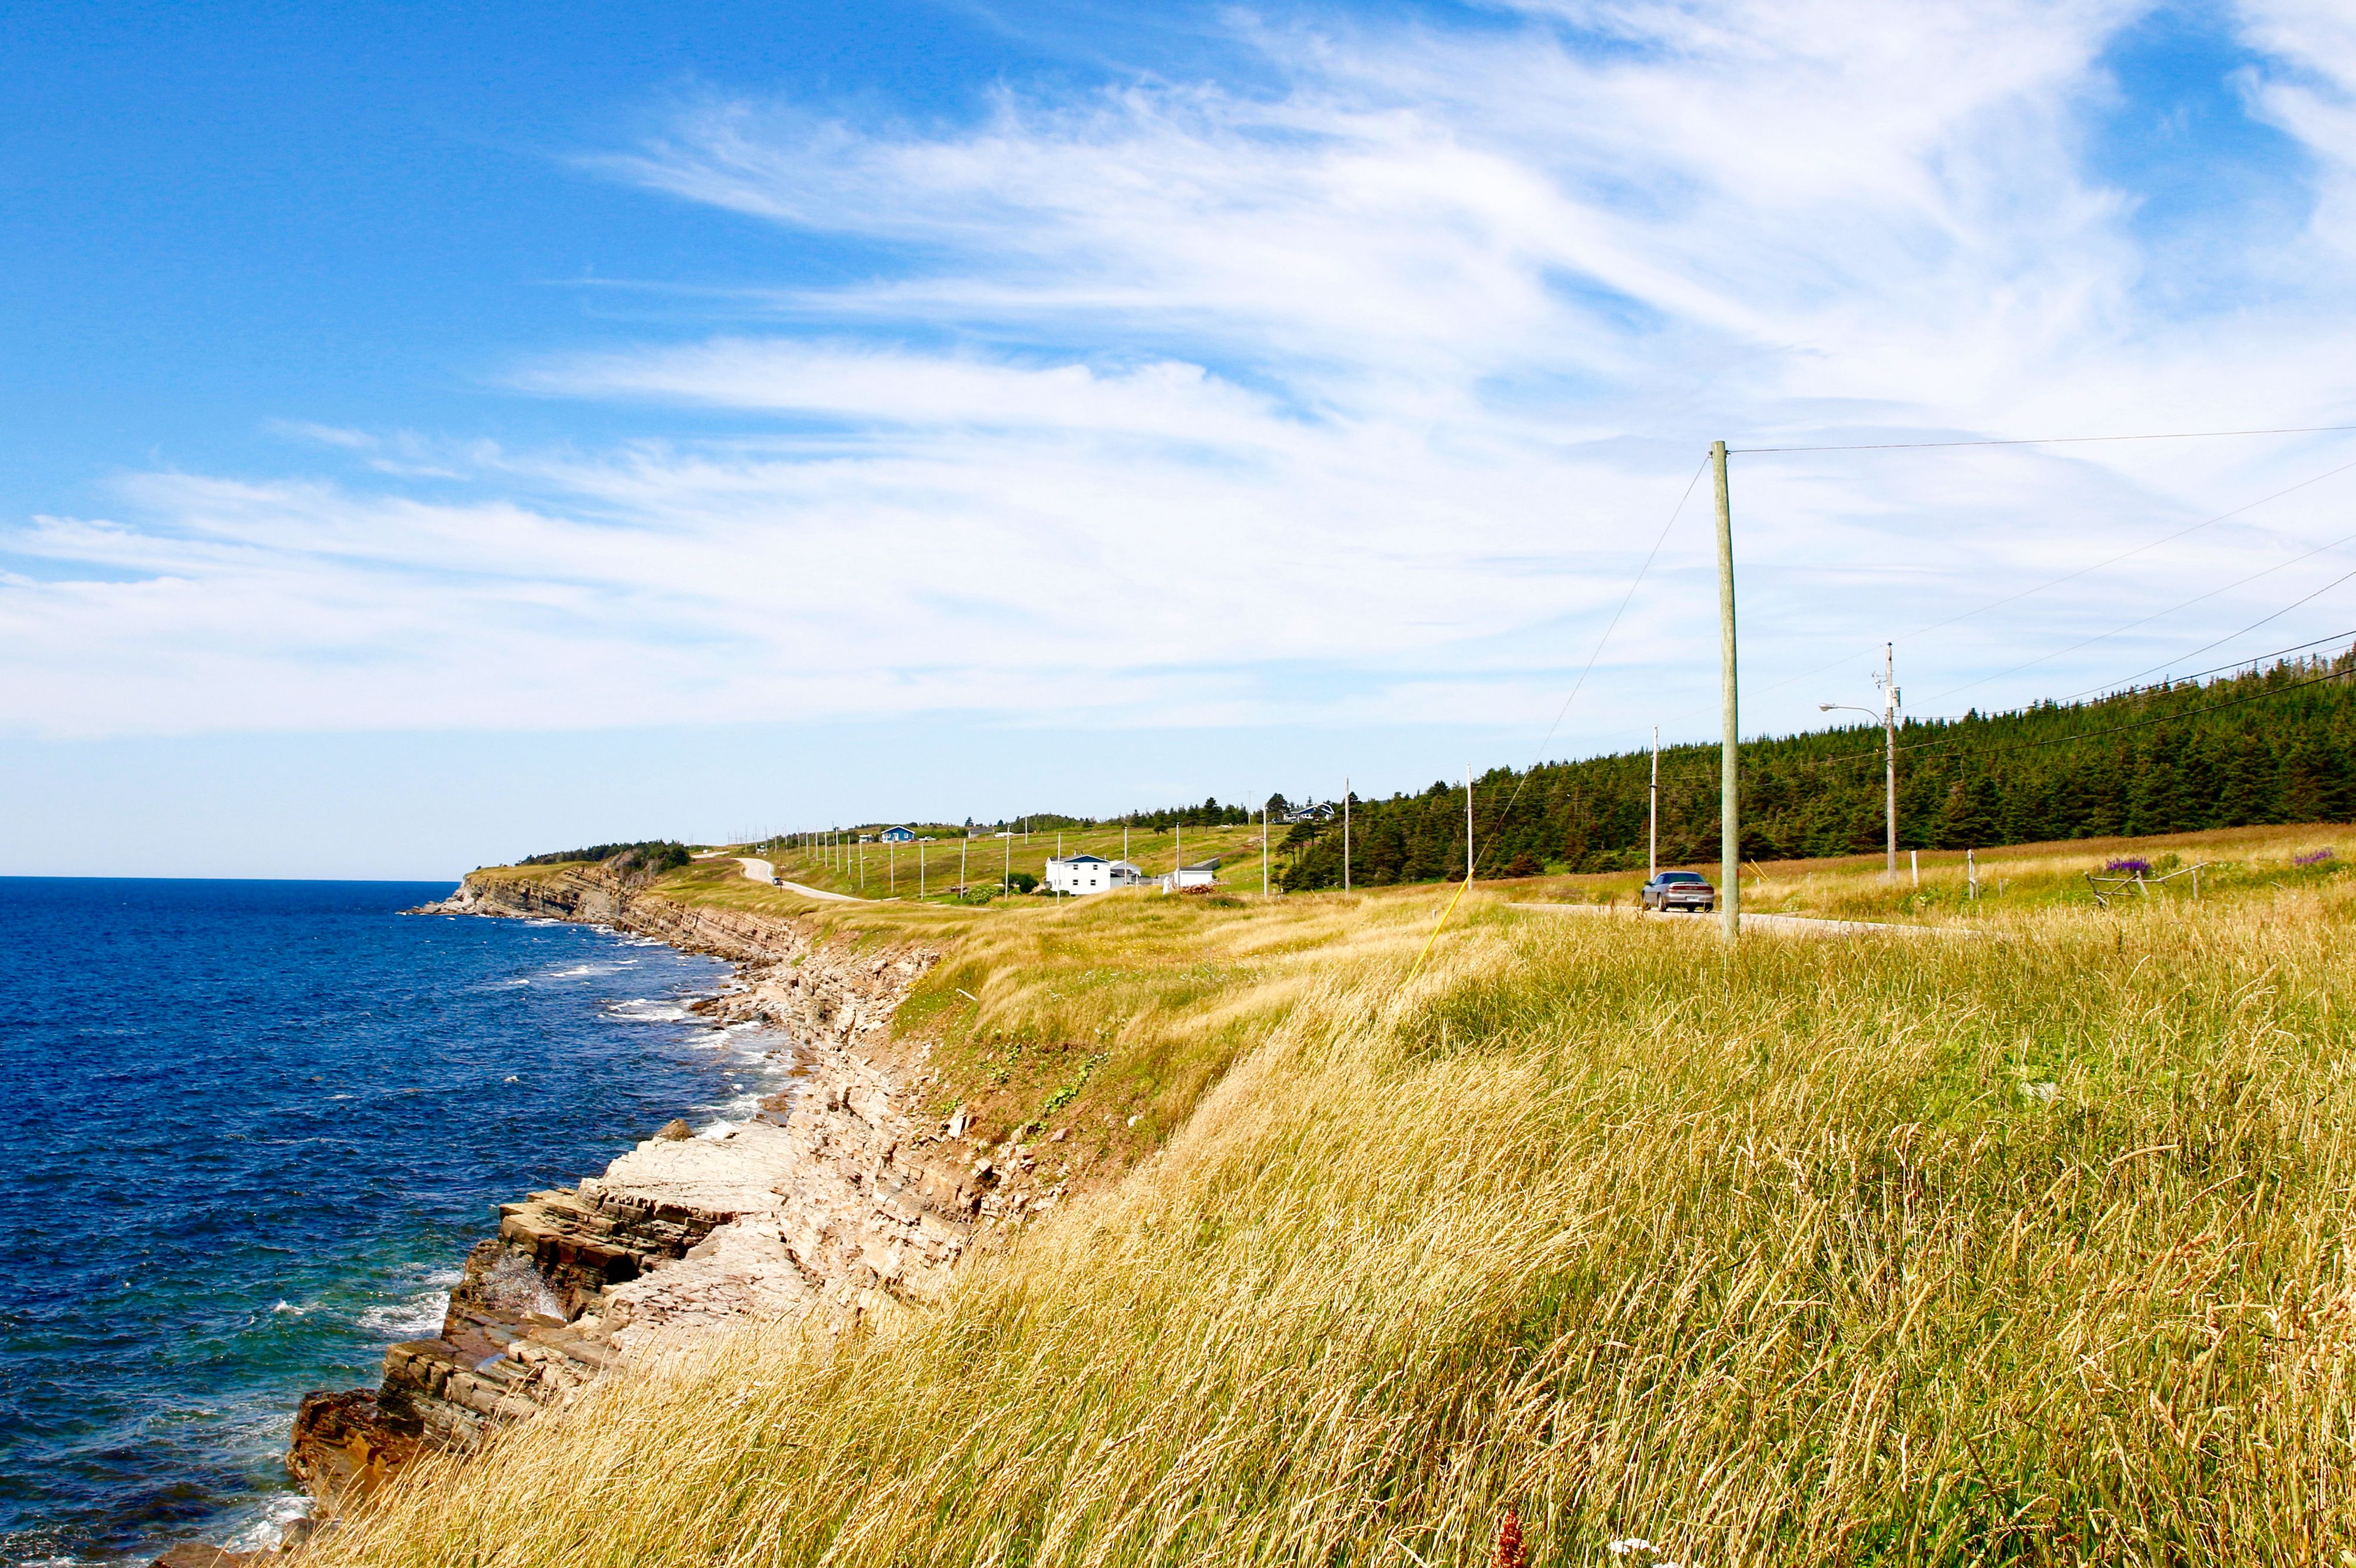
1680	890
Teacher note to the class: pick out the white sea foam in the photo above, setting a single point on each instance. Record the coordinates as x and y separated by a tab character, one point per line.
265	1527
288	1308
421	1314
646	1010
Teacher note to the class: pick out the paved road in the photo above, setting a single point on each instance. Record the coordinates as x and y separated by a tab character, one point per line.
1791	925
761	871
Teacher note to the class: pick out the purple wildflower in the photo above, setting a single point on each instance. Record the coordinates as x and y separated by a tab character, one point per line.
2317	858
2128	867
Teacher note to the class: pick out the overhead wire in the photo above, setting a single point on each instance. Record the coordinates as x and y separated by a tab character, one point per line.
2051	440
2220	642
1877	751
2055	582
2146	620
2064	577
1560	713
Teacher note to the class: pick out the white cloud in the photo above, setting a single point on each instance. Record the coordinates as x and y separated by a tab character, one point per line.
1351	401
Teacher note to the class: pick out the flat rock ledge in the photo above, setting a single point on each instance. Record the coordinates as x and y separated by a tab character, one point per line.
831	1201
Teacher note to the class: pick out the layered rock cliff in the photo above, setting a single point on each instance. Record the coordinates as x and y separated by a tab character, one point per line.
838	1195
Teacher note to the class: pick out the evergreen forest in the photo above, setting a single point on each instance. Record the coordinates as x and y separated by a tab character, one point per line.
2271	746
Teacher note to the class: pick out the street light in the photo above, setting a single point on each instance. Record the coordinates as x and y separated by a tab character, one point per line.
1889	718
1890	774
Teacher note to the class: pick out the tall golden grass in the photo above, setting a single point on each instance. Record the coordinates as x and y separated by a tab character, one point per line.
2034	1248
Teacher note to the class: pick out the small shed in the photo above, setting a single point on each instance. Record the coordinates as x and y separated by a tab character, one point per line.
1198	875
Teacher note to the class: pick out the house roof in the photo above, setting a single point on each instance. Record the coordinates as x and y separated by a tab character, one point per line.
1080	860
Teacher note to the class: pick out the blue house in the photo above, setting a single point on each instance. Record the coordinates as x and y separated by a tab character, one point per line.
898	835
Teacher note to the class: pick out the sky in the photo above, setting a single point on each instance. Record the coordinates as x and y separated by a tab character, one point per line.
434	434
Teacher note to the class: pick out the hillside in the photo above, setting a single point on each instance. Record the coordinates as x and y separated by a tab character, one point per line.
2023	1245
2277	745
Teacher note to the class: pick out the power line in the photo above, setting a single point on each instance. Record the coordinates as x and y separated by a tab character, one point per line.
2256	659
2146	620
1625	599
2048	440
2220	642
2095	734
2066	576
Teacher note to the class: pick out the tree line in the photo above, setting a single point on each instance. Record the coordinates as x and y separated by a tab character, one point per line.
1211	813
2272	745
653	856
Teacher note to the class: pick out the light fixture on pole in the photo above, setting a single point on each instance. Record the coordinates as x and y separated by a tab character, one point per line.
1889	718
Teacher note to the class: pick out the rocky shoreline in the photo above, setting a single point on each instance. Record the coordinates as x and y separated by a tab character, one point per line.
838	1195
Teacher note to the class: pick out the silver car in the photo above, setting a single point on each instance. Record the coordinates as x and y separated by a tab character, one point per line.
1680	890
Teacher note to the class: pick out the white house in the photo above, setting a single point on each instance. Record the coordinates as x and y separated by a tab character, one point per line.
1186	876
1078	874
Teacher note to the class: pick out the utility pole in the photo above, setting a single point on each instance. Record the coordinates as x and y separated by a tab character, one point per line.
1177	857
1652	816
892	869
1468	824
1888	685
1730	813
1346	832
1006	886
965	849
920	871
1263	849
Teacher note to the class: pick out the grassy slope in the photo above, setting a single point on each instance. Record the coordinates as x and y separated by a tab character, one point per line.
990	858
2032	1248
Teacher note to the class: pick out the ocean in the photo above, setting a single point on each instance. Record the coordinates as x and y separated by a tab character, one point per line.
257	1127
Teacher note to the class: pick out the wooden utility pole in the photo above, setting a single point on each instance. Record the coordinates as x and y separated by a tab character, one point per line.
1653	814
1263	849
1346	832
920	871
1890	753
1730	813
1006	885
965	850
1468	824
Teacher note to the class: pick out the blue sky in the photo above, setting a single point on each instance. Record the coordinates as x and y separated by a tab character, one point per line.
434	433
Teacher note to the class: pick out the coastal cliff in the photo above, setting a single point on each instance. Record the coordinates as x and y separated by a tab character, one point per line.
836	1196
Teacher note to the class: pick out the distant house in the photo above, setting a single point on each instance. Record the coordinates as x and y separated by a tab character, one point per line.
1078	874
898	835
1186	876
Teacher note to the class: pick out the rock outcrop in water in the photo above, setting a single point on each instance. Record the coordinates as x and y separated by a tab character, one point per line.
835	1198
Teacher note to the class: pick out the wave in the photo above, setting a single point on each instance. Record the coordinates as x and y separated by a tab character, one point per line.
263	1528
420	1314
646	1010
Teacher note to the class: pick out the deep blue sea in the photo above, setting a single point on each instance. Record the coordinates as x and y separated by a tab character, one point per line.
256	1127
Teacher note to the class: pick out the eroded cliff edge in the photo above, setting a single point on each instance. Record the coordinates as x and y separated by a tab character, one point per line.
838	1195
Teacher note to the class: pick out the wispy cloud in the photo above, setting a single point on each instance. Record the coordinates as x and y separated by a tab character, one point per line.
1357	397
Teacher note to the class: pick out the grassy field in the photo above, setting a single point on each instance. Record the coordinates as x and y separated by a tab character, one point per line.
2030	1247
880	870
